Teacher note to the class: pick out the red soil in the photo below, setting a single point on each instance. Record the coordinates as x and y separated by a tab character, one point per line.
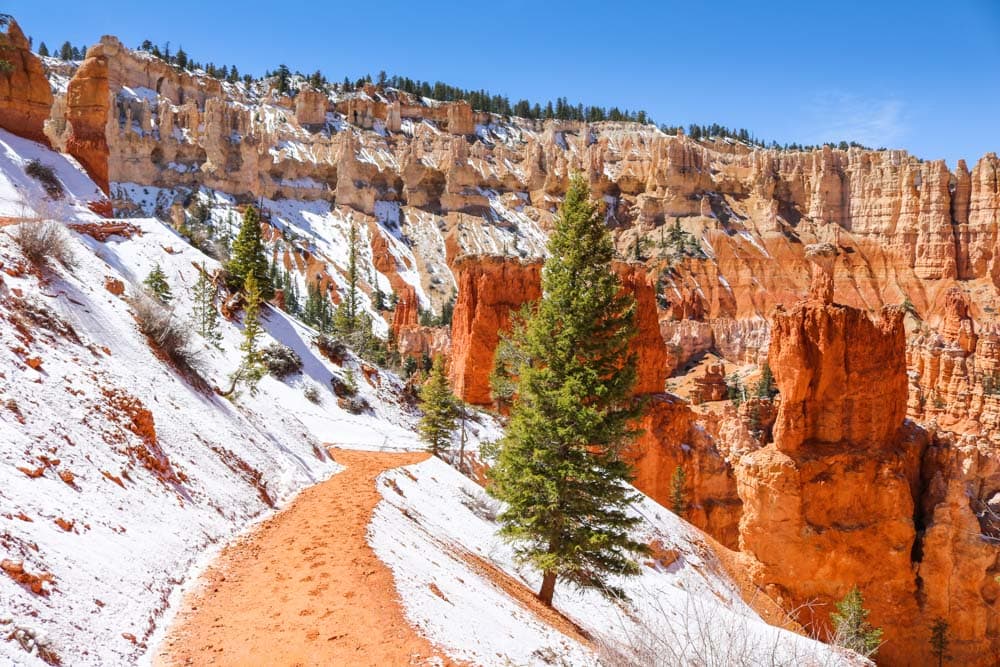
305	588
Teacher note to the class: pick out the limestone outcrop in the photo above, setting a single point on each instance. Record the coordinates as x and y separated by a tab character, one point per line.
672	438
489	290
25	95
829	504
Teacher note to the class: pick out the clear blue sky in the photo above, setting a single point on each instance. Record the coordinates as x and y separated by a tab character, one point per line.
919	75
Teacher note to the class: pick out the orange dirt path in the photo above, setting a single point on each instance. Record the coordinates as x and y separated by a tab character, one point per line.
304	588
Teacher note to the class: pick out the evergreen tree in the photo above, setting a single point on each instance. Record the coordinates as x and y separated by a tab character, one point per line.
206	318
447	311
439	406
66	51
248	256
284	76
940	640
677	481
316	312
157	285
851	626
43	50
765	385
558	467
252	367
345	320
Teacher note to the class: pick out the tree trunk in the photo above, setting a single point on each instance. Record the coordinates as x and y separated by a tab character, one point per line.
461	446
548	588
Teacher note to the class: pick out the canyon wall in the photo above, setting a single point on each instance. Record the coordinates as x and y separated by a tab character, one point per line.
490	289
25	96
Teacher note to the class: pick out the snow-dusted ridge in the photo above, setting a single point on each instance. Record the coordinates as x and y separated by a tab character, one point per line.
119	479
683	608
74	432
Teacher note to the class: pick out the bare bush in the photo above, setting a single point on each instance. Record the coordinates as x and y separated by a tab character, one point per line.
354	404
281	361
698	632
166	333
45	175
43	242
311	392
483	506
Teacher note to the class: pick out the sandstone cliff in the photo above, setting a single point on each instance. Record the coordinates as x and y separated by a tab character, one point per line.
25	95
490	289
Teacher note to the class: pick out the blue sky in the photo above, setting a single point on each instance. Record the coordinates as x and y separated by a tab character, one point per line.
919	75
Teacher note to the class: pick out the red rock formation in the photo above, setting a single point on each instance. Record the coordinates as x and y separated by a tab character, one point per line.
959	555
651	362
407	313
671	438
489	289
88	102
842	376
711	386
25	95
830	503
957	326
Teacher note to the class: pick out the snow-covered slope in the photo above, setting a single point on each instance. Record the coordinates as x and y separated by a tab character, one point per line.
436	529
115	471
118	474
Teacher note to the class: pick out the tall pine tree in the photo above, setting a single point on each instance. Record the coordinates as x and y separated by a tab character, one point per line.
252	367
203	312
559	467
248	256
439	406
345	320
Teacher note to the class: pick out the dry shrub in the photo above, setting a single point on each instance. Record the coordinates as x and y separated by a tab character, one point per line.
697	632
43	242
311	392
281	361
166	333
45	175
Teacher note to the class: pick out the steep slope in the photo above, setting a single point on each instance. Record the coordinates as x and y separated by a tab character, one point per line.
118	471
466	593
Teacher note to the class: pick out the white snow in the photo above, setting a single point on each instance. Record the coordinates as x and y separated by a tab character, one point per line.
135	534
754	242
431	510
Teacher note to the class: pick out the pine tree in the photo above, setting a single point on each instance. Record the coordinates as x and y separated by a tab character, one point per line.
677	481
438	403
43	50
939	640
284	77
66	51
157	285
206	318
558	467
252	367
248	256
851	627
345	320
765	385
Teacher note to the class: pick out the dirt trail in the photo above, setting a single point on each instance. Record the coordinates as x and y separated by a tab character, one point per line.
304	588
